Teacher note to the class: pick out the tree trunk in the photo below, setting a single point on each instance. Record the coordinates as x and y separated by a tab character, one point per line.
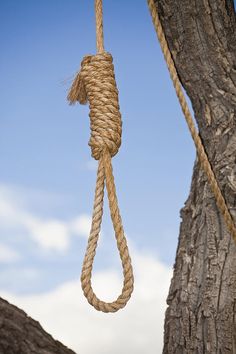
201	313
19	334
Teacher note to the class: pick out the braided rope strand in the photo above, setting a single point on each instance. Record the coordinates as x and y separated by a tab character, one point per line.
220	201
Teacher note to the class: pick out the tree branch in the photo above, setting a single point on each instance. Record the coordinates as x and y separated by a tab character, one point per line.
20	334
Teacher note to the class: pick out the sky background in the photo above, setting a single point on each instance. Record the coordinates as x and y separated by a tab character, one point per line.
47	175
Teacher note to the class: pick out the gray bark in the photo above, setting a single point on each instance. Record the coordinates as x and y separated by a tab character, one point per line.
20	334
201	313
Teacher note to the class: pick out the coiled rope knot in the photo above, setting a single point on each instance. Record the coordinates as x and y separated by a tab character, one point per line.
96	84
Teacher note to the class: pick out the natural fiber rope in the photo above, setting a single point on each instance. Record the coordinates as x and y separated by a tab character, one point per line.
99	26
96	84
220	201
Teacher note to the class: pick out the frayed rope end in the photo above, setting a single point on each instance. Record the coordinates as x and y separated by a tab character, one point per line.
77	91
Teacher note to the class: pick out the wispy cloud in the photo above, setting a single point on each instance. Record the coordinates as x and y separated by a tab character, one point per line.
49	234
8	255
137	329
81	225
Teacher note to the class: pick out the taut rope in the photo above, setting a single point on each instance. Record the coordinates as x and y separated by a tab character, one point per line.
96	84
220	201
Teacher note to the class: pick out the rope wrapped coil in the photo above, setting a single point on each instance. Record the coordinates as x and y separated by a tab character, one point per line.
95	84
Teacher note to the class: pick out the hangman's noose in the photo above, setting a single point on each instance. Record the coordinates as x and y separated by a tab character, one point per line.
96	85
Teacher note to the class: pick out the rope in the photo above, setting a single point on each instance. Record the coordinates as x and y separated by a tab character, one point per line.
220	201
96	84
99	26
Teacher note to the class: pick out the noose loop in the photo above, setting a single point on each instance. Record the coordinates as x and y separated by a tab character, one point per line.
95	84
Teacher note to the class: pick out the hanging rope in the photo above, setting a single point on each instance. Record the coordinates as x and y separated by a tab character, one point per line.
96	84
220	201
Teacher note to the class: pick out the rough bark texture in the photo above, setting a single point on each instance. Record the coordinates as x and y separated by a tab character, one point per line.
19	334
201	312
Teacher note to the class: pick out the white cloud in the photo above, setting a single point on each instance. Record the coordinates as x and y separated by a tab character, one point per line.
52	234
136	329
49	234
8	255
81	225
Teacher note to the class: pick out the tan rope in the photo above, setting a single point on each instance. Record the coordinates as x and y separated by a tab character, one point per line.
96	84
99	26
220	201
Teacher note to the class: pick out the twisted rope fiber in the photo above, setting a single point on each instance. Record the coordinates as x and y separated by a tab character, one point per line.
99	26
220	201
96	84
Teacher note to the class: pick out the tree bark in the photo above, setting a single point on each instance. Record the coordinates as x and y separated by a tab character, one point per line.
201	313
20	334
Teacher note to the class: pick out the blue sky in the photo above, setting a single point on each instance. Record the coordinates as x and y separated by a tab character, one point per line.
47	175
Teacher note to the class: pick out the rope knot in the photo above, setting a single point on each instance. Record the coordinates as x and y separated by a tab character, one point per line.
95	83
